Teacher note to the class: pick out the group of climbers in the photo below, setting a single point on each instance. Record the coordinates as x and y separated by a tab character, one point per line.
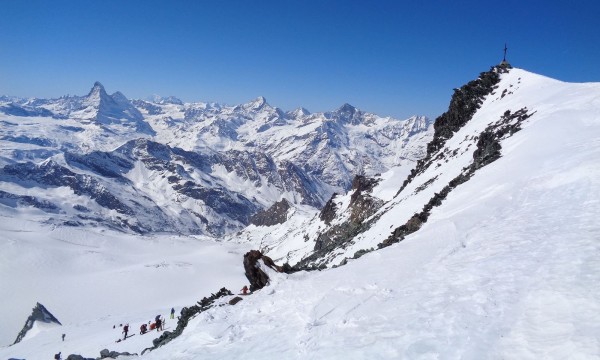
158	324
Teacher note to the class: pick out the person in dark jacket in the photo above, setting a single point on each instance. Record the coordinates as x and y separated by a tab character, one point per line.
172	313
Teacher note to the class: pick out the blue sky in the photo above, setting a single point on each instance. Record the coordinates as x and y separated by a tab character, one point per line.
394	58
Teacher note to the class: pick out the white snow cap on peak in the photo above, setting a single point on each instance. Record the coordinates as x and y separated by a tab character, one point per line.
97	89
256	104
300	112
157	99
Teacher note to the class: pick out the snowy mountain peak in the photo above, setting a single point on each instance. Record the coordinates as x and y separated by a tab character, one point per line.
349	114
97	95
346	108
157	99
256	104
98	88
298	113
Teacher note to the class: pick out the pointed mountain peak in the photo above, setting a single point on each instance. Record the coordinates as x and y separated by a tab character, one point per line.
299	112
349	114
256	104
39	313
97	90
346	108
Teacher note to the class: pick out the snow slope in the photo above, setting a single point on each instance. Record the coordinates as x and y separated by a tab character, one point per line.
87	276
507	267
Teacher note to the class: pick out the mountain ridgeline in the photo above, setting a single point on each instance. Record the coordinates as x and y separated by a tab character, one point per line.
351	224
161	165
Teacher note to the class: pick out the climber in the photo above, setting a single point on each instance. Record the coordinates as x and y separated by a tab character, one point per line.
172	313
158	323
63	336
245	290
57	356
125	330
143	329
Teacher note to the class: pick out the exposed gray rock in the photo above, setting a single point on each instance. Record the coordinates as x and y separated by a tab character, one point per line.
186	314
258	278
329	211
105	353
487	151
39	313
77	357
276	214
235	300
361	207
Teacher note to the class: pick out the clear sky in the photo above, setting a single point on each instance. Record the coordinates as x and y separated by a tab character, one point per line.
394	58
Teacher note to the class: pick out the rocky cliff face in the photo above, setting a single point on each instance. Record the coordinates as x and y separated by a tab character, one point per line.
39	314
276	214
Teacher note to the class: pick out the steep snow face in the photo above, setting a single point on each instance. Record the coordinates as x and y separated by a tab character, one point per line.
186	168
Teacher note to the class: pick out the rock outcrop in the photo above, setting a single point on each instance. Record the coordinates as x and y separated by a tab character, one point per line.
106	354
184	317
39	313
362	206
258	278
276	214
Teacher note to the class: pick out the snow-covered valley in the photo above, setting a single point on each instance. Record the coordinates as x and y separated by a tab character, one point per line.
504	265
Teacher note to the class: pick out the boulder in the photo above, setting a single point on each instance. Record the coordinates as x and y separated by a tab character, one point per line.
235	300
258	278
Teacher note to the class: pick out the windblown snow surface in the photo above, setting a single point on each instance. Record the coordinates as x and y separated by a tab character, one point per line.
508	267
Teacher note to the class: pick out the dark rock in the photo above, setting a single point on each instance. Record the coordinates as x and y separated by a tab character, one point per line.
77	357
361	252
185	315
328	212
464	103
39	313
235	300
105	353
487	151
276	214
258	278
361	207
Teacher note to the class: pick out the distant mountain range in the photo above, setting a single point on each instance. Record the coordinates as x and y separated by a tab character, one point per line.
161	165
